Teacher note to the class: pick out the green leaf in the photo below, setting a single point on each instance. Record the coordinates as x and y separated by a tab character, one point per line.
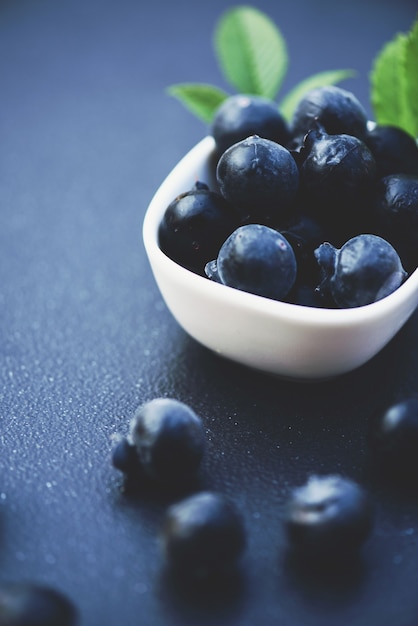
387	83
199	98
330	77
411	81
251	51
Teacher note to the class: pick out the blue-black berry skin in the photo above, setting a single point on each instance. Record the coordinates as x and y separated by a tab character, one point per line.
396	215
393	438
26	604
260	179
305	234
337	110
259	260
338	176
329	516
241	116
395	151
203	534
366	269
194	226
125	457
170	440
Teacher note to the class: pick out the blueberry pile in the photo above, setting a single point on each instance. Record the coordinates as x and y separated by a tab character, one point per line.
321	211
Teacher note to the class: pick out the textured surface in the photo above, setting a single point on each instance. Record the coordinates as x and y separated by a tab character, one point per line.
86	136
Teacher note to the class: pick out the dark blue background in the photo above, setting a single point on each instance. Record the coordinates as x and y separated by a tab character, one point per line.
87	133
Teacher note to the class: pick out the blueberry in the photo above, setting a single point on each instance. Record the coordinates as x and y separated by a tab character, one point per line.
194	226
257	259
396	215
241	116
338	177
366	269
305	294
336	109
170	440
393	438
395	150
202	535
328	517
305	234
125	457
260	178
28	604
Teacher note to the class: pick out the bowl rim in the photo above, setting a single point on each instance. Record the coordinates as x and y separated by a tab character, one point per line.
196	158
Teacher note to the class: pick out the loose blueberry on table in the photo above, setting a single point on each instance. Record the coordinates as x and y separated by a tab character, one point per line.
28	604
125	457
393	438
203	535
328	517
166	442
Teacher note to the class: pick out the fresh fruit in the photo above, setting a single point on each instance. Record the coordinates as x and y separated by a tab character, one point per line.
194	226
393	438
395	151
257	259
253	58
326	198
125	457
305	234
241	116
366	269
29	604
328	517
337	110
396	215
203	535
169	438
260	178
337	175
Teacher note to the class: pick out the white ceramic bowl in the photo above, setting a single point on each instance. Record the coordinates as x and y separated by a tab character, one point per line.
284	339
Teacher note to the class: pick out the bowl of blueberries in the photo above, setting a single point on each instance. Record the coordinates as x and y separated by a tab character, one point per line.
290	247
